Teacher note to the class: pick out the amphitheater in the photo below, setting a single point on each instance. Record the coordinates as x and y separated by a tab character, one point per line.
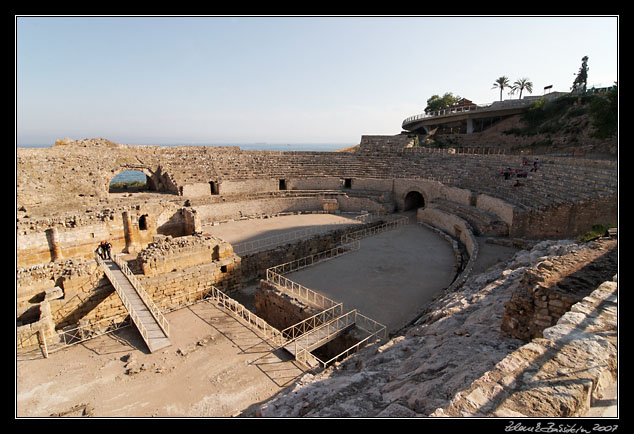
389	281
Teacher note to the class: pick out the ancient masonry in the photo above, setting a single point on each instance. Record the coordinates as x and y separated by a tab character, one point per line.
65	209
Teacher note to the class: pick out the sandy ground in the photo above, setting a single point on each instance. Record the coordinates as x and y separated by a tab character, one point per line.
243	231
216	367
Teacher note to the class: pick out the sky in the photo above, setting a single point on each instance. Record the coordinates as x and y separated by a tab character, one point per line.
151	80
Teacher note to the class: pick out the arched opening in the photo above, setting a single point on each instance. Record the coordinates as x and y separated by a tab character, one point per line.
128	181
413	200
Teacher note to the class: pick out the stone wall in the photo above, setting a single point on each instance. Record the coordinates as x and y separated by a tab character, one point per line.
173	267
43	173
450	224
280	309
127	229
166	254
82	296
175	288
557	375
545	293
565	197
565	220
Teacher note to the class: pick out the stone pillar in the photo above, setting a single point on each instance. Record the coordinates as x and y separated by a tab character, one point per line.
469	126
192	221
53	242
128	232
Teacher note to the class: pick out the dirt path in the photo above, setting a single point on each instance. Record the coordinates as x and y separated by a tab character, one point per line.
216	367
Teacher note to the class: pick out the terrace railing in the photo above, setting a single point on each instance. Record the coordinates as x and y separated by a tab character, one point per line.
363	233
275	274
313	322
329	331
253	321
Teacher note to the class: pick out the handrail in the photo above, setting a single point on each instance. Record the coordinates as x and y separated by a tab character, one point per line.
145	297
355	236
445	112
379	332
124	299
503	105
254	322
275	276
251	246
339	323
300	290
325	316
310	260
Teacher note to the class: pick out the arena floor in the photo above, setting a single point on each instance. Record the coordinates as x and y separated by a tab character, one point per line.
389	279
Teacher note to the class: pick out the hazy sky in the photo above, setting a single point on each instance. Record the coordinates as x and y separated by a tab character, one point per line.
232	80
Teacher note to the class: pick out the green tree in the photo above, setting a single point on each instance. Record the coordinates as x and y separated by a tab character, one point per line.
604	112
435	102
521	84
581	80
502	83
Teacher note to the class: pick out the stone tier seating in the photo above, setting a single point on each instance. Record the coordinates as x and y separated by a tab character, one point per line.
557	181
482	222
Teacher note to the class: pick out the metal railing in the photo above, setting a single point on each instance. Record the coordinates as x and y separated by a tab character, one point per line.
255	245
75	335
497	105
145	297
247	247
363	233
375	330
254	322
300	290
312	323
275	276
307	261
325	333
446	112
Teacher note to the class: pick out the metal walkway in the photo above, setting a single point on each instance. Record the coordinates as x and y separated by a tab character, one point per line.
146	316
320	336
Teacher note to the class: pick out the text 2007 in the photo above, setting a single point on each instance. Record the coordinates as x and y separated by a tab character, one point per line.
606	428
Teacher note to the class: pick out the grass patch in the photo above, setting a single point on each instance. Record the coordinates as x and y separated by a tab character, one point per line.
128	185
597	231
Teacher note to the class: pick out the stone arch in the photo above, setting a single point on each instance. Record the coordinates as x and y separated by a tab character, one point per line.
150	181
413	199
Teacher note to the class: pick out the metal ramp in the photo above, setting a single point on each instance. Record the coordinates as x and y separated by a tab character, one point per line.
320	336
148	319
302	345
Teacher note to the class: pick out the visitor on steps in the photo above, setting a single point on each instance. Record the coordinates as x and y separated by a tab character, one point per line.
108	247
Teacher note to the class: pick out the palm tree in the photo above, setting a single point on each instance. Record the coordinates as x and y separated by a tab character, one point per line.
501	82
522	84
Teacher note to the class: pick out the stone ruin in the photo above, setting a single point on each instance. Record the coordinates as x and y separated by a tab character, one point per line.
64	209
